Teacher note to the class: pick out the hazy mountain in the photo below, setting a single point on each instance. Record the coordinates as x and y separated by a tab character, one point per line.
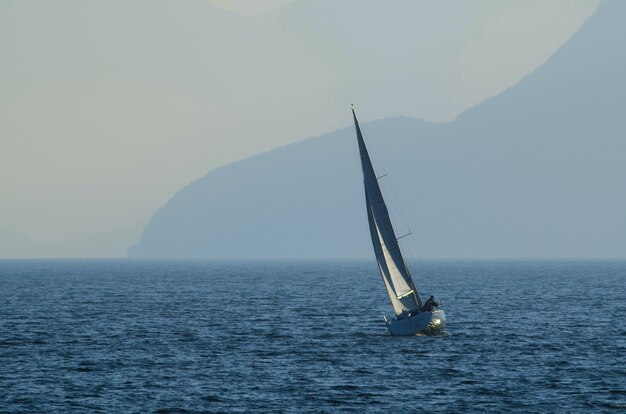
109	107
537	171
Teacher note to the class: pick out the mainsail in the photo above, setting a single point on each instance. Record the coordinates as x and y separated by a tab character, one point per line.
400	287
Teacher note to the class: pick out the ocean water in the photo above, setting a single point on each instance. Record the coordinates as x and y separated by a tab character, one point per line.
193	336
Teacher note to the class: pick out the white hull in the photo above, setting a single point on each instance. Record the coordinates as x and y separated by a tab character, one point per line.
424	323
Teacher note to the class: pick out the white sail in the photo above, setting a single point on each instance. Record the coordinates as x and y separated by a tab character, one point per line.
395	274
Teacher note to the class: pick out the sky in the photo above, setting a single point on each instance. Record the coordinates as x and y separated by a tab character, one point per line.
109	108
249	7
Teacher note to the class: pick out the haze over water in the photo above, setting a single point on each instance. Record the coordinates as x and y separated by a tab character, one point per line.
181	336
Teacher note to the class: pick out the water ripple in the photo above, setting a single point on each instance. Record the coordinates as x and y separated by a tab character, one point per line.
190	337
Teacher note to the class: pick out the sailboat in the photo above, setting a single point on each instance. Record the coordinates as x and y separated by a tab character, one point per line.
411	316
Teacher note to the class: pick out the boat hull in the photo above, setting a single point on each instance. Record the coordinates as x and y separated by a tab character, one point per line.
424	323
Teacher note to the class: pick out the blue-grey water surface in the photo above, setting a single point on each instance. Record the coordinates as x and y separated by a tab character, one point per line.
193	336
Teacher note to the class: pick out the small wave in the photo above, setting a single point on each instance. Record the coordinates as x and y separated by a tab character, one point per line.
334	401
211	398
614	405
345	387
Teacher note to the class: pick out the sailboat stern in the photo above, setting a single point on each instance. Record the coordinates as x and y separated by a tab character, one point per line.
423	323
437	322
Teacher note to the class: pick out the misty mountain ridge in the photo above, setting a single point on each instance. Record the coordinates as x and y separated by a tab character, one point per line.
536	171
110	107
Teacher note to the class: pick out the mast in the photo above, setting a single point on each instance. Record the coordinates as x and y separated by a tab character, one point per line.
395	274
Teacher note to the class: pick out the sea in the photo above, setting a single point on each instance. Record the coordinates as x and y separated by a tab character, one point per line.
132	336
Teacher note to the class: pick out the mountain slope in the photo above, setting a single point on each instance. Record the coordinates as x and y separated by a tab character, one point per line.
109	107
537	171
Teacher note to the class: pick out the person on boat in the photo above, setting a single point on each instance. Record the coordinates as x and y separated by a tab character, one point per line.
430	304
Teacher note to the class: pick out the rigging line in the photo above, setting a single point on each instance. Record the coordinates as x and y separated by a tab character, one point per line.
389	183
396	204
402	237
390	195
410	249
415	257
393	203
389	192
